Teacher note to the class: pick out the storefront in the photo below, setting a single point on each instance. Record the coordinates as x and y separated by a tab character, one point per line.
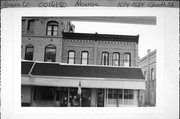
55	85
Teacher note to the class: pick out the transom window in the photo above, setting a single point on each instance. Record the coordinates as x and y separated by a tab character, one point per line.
84	57
29	52
116	59
105	58
52	28
50	53
127	59
71	57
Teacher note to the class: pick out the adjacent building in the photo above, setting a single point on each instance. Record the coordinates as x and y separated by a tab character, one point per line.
148	66
63	69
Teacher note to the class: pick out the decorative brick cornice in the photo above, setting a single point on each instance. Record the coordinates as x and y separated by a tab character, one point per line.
100	37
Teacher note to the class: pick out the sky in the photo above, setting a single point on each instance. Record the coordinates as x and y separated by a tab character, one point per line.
147	33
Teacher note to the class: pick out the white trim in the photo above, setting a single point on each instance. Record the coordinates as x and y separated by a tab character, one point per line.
87	78
71	82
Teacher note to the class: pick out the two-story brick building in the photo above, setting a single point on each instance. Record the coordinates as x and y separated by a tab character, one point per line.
63	68
148	66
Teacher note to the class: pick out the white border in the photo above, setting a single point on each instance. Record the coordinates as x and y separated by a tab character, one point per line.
167	66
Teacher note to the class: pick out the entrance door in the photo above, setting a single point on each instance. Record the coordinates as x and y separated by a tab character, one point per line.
100	98
74	97
64	97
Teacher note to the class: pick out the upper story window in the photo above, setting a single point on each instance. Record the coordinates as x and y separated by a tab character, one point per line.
84	57
50	53
29	52
71	57
30	25
52	28
152	74
116	59
105	58
127	59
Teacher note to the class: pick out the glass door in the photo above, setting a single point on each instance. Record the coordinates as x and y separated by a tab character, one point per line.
74	97
100	98
64	97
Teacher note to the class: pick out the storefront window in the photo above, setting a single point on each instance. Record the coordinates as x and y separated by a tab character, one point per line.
117	97
112	97
44	93
128	96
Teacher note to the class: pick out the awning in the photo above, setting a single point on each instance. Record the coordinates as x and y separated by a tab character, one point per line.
49	82
64	82
55	74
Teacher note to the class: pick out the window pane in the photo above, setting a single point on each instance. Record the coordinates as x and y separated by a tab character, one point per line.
52	28
29	49
127	59
55	33
71	61
50	53
105	58
55	28
29	52
71	57
116	61
50	50
49	28
48	33
84	59
84	55
71	54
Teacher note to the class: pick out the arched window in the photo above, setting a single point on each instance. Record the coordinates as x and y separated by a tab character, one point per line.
127	59
105	58
29	52
152	74
84	57
52	28
116	59
50	53
71	57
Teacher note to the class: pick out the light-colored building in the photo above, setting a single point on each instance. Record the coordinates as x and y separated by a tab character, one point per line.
148	66
63	68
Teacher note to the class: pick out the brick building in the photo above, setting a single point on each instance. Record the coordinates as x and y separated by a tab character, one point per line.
63	68
148	66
